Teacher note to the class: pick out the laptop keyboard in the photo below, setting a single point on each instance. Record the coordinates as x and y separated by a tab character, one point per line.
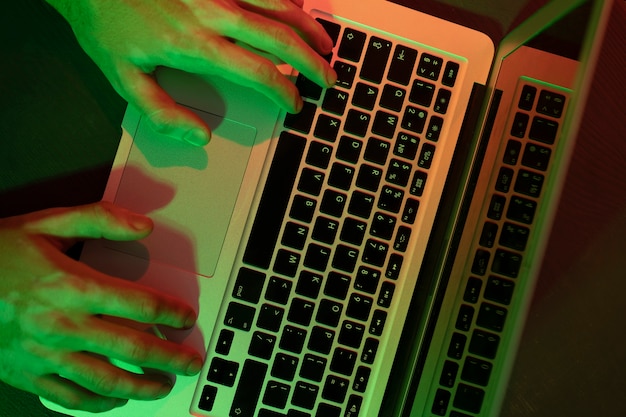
303	329
474	355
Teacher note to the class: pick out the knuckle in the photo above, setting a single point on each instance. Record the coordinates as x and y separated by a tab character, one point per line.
106	384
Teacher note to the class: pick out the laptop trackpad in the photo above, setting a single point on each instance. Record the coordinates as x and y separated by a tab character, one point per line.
189	192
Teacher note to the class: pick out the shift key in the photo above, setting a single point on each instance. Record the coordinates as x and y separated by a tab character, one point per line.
249	389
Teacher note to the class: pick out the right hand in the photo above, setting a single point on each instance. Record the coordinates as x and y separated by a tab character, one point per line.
53	339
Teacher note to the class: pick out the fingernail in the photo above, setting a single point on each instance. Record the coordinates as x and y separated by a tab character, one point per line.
327	45
194	366
139	221
196	137
331	77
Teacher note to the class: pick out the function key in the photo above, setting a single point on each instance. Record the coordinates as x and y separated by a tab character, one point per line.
370	347
448	374
442	101
441	402
520	124
512	152
505	179
351	45
434	128
378	322
429	67
394	266
375	61
450	74
418	183
527	97
402	63
463	322
426	156
410	211
488	235
386	294
496	207
472	290
550	103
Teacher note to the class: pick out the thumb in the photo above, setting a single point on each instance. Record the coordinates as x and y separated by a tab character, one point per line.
102	220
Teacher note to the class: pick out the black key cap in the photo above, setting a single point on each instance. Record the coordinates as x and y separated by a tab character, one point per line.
361	378
491	317
476	371
207	400
392	97
505	179
223	372
441	402
537	157
239	316
369	177
274	200
329	313
496	207
429	67
422	93
543	130
333	203
394	266
514	236
367	279
383	226
345	74
406	145
319	154
448	374
308	88
434	128
551	104
499	290
379	318
385	124
262	345
359	307
402	63
357	122
391	199
520	124
313	367
361	204
304	395
278	290
464	319
224	342
337	285
295	235
249	285
301	311
488	235
321	340
522	210
302	121
527	97
375	60
284	367
410	210
353	406
529	183
414	119
327	410
426	156
365	96
286	263
484	344
472	290
353	231
341	176
457	345
349	149
481	260
309	284
302	208
469	398
442	101
345	258
327	128
317	257
386	294
335	389
352	44
506	263
450	73
270	317
375	252
276	395
370	347
248	392
311	181
512	152
292	339
343	361
325	230
335	101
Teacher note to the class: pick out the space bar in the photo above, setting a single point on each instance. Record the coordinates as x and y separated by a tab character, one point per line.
274	200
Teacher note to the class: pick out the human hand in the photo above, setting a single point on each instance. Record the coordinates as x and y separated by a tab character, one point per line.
128	40
53	339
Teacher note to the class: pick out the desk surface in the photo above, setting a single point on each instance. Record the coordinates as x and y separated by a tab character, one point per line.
60	125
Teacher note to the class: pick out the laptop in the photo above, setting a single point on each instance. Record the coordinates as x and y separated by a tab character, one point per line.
375	254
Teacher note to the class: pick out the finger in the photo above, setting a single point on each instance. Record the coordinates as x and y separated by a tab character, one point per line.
102	220
104	338
291	13
282	41
99	376
70	395
161	111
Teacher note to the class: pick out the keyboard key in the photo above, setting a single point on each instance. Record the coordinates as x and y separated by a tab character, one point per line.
337	285
522	210
353	231
311	181
529	183
527	98
319	154
303	121
442	101
353	406
335	101
496	207
410	210
295	235
426	156
274	200
448	374
520	124
406	146
331	28
369	177
307	88
301	311
361	378
512	152
262	345
309	284
484	344
343	361
270	317
370	347
345	258
504	180
351	334
248	393
352	44
499	290
313	367
292	339
367	280
476	371
207	399
357	122
317	257
392	97
365	96
386	294
375	61
302	208
469	398
458	340
321	340
249	285
441	402
506	263
375	252
286	263
383	226
402	63
488	235
325	230
491	317
223	372
361	204
284	367
329	312
481	260
537	157
414	119
278	290
391	199
359	307
464	319
434	128
335	388
551	104
429	67
377	150
327	410
422	93
327	128
304	395
349	149
341	176
276	394
450	74
379	318
239	316
472	290
345	74
399	172
394	266
224	342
